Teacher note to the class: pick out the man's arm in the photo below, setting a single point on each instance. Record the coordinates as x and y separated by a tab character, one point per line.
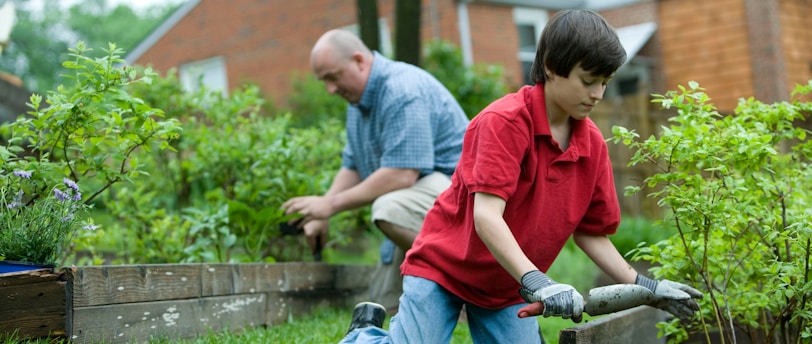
348	192
380	182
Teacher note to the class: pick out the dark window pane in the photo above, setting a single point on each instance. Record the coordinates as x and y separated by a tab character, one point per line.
527	37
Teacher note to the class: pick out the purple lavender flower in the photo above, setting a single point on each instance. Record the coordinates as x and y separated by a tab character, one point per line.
61	196
71	184
22	174
17	201
90	227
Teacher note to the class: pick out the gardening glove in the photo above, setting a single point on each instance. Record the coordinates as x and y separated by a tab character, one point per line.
561	300
672	297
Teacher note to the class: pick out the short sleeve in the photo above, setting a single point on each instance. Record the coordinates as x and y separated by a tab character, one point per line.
493	150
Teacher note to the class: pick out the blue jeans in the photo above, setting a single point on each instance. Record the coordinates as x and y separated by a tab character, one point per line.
428	314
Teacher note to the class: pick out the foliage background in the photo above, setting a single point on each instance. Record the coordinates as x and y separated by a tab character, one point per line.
736	187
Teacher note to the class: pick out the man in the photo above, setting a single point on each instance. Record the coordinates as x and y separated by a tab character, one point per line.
404	137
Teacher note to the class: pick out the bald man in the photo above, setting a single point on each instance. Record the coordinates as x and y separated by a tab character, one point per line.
404	137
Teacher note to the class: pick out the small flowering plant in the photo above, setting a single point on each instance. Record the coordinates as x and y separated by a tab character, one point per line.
85	132
38	228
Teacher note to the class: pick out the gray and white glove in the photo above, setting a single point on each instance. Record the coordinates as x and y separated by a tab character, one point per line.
672	297
560	300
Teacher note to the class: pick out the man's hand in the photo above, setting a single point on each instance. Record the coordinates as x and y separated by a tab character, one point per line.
561	300
672	297
310	207
316	234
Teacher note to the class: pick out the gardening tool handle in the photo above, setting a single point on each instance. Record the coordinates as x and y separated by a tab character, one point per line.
317	249
531	310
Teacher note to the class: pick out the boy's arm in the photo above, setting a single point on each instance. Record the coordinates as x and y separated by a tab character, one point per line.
494	232
675	298
537	288
603	252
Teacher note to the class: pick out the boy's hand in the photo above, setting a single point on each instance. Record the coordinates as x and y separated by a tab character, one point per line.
561	300
672	297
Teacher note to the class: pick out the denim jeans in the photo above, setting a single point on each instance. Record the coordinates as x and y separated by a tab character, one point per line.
428	314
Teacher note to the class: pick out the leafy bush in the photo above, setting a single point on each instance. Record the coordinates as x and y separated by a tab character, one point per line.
636	231
737	187
474	87
217	196
88	134
311	103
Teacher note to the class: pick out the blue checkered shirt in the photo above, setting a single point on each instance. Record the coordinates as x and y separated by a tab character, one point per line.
405	119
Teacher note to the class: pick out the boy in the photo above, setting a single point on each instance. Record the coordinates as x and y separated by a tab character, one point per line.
534	171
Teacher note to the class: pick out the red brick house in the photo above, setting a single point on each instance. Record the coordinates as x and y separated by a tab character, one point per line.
734	48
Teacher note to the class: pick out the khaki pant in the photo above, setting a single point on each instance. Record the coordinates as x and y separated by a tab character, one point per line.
405	208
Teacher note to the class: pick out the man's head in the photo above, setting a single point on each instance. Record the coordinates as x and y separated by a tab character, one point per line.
577	37
342	62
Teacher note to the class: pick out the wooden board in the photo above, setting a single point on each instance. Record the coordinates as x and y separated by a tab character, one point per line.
636	325
33	303
100	285
142	321
127	303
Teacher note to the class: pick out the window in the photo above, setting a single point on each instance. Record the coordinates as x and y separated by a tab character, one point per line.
529	24
630	79
208	73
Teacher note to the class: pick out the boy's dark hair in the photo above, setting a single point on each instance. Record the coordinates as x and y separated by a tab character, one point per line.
577	36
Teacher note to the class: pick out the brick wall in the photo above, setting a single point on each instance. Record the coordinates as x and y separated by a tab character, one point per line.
707	42
268	42
796	41
495	40
262	41
642	12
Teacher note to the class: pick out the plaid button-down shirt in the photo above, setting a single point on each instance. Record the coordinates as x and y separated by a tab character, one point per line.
405	119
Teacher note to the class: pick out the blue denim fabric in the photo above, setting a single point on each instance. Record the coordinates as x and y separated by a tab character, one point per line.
387	251
428	314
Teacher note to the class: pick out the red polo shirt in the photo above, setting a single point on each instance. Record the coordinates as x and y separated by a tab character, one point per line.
508	151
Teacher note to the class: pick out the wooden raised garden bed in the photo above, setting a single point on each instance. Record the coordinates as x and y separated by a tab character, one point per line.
128	303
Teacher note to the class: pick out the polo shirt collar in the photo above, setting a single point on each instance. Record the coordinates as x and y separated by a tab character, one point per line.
374	82
580	144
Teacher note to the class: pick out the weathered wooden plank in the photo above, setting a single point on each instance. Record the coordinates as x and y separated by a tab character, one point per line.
309	276
225	279
33	304
636	325
353	277
142	321
101	285
29	277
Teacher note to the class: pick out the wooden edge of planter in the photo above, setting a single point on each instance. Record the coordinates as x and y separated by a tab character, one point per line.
636	325
126	303
34	304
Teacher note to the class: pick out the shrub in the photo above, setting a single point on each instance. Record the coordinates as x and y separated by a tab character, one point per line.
88	134
474	87
737	189
217	196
